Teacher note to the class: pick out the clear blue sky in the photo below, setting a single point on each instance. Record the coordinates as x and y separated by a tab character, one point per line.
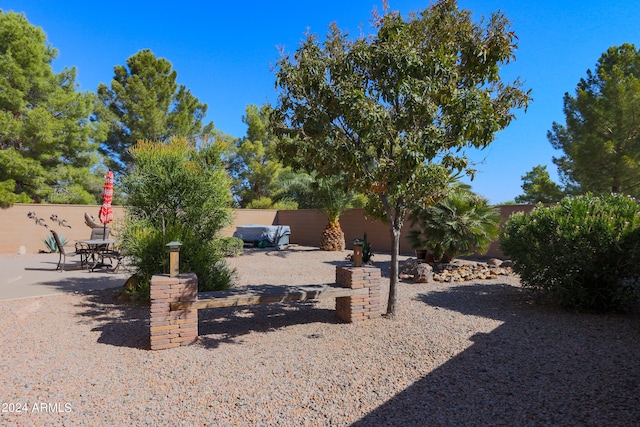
224	51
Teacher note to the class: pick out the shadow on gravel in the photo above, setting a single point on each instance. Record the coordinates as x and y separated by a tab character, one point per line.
542	366
120	323
228	325
82	284
275	252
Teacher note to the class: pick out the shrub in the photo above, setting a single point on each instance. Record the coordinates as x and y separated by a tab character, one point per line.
177	192
268	203
584	251
367	253
230	246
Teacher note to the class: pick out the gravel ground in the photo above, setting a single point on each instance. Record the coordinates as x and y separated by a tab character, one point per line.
458	354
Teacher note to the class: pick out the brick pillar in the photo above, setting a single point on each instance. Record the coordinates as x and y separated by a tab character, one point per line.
359	307
173	328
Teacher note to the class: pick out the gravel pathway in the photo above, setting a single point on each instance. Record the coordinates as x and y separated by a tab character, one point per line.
458	354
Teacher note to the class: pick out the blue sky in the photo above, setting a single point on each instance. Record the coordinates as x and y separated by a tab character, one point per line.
224	53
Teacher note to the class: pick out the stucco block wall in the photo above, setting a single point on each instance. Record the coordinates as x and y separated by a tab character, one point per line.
17	230
307	226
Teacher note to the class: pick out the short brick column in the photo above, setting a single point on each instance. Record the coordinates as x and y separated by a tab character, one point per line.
360	307
173	328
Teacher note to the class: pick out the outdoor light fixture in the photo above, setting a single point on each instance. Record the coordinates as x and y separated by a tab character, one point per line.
357	252
174	258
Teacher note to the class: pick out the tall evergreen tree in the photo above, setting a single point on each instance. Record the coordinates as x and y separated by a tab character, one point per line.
601	137
539	188
144	102
255	166
46	132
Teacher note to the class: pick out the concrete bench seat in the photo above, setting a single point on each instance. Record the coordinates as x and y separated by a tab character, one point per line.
267	294
175	301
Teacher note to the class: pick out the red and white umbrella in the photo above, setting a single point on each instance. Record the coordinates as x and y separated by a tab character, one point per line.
106	211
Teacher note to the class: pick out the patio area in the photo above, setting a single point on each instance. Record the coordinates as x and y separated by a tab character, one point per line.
26	276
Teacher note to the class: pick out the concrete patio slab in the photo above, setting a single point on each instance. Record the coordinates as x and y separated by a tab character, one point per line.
24	276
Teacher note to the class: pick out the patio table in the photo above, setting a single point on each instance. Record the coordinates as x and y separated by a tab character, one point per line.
96	248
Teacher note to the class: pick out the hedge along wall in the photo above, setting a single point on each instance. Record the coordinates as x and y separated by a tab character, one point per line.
18	231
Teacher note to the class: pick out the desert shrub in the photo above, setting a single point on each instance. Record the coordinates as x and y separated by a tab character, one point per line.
230	246
176	192
367	253
583	252
267	203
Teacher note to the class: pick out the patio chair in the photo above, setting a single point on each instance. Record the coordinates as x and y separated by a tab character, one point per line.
116	256
62	260
100	233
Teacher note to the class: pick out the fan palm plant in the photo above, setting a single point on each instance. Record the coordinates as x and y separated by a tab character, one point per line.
460	224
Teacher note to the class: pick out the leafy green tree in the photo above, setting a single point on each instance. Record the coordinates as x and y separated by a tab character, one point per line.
462	223
47	148
177	193
601	137
144	102
539	188
393	109
255	166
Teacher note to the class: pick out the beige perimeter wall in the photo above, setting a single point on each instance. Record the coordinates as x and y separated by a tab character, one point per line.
19	233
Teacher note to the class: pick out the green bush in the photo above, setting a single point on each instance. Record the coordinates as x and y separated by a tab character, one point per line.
584	252
267	203
230	246
176	192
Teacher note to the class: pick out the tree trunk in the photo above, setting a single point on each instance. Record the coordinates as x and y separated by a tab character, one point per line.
332	238
393	280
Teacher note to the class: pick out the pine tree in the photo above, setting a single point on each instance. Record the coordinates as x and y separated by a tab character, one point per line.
144	102
47	147
601	137
539	188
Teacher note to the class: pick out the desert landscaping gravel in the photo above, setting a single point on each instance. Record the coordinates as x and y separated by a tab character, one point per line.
474	353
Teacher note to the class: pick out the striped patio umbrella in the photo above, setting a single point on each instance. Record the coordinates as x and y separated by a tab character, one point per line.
106	211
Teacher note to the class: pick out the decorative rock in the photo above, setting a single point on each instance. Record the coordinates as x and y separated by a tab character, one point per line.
494	262
409	265
507	263
422	273
456	271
